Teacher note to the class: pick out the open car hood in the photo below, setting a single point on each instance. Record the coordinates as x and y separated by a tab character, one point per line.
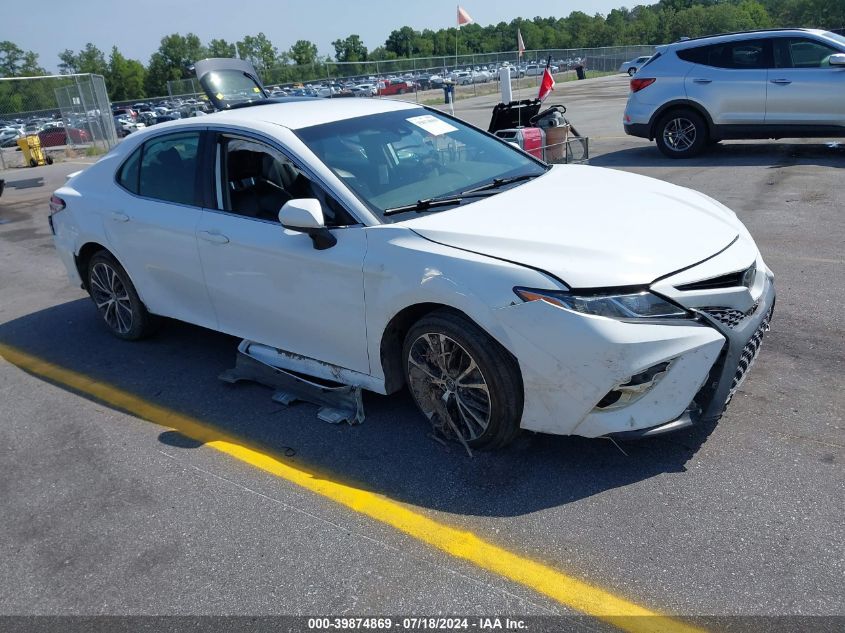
590	227
229	82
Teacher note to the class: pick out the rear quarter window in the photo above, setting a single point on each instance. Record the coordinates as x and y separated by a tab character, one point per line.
127	175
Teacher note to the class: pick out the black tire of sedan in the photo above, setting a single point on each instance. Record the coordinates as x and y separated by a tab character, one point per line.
631	71
116	299
454	369
681	134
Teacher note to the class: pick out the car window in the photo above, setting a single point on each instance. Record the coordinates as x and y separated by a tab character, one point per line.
794	52
128	174
169	168
737	55
256	180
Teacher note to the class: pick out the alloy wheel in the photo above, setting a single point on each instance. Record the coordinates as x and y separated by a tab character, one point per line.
111	297
679	134
443	375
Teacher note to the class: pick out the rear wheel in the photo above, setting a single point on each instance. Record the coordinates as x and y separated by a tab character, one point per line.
117	300
462	380
681	134
631	71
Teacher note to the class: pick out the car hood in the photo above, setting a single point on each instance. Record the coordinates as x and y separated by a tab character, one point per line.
590	227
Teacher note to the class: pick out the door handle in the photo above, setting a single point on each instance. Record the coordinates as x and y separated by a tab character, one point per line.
214	238
781	82
702	81
118	216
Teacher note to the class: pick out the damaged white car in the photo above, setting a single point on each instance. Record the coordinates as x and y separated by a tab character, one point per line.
379	244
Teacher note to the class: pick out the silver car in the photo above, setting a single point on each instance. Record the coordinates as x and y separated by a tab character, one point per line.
631	66
763	84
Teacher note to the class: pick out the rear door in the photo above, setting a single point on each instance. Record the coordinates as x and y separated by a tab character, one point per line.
729	80
803	88
151	225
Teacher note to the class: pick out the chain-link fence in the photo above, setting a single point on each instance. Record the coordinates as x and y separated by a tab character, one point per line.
470	73
65	112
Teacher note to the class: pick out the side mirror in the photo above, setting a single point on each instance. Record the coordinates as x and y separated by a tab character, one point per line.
837	59
305	215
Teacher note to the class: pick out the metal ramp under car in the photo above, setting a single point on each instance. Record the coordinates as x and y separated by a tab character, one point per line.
263	364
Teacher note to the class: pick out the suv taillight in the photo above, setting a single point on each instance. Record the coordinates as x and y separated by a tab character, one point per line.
639	84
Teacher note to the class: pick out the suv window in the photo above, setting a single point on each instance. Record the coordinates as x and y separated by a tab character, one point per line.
169	168
257	180
738	55
799	52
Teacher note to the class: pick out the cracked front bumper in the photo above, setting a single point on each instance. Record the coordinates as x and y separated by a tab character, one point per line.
569	361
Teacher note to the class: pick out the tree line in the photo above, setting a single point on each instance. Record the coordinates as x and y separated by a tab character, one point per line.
665	21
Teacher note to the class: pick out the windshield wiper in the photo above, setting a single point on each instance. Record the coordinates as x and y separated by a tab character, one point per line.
423	205
501	182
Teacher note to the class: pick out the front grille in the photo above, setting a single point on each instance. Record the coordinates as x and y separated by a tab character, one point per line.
748	356
729	316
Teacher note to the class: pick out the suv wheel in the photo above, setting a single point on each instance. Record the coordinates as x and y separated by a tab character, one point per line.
681	134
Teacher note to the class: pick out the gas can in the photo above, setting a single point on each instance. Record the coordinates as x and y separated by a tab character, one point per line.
531	139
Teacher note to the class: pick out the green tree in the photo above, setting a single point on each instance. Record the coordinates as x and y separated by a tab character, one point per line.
173	60
303	52
221	48
16	62
125	77
351	49
89	60
259	51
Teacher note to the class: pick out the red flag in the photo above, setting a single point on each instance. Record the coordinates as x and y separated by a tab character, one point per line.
547	85
520	45
463	17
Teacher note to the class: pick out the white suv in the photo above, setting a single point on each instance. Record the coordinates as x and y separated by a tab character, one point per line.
761	84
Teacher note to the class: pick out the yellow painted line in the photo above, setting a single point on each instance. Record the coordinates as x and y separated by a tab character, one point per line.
568	591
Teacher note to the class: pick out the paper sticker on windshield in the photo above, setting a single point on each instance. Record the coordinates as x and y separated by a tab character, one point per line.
432	124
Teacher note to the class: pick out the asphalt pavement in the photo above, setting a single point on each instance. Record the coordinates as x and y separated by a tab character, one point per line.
102	512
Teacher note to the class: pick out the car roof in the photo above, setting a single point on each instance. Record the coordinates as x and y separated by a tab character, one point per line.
739	35
300	113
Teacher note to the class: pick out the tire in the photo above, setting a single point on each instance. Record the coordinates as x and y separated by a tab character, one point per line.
631	71
487	411
33	162
49	160
681	133
116	299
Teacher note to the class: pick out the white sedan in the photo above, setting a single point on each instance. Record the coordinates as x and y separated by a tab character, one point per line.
382	244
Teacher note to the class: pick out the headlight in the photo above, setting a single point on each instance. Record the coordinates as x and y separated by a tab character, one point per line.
638	305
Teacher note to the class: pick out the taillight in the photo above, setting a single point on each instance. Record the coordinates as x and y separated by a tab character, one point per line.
639	84
56	204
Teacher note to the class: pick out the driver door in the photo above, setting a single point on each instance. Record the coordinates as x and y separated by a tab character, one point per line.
269	284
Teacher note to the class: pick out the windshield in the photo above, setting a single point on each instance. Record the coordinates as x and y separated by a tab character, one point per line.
396	159
835	37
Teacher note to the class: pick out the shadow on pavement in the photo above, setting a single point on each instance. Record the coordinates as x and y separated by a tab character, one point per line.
730	154
389	453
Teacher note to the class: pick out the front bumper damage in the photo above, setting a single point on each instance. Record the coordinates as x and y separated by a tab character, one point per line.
565	377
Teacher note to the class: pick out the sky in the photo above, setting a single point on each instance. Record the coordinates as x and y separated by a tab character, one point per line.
50	26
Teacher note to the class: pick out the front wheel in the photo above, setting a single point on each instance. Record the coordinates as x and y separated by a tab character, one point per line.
462	380
631	71
681	134
117	300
